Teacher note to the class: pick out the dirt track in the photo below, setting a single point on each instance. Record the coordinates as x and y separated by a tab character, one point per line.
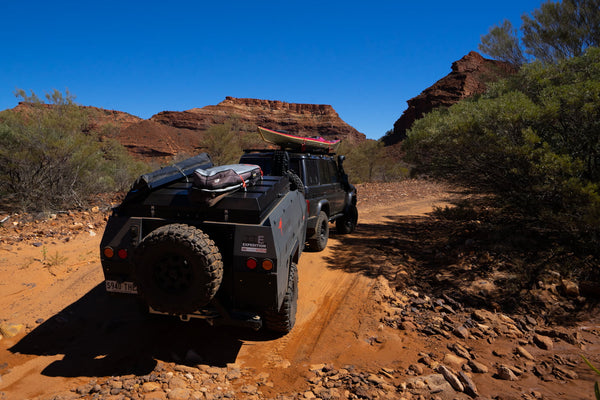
73	332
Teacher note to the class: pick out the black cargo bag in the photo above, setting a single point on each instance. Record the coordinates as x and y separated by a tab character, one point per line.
214	183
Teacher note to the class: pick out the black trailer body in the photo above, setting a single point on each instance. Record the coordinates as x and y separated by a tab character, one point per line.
233	262
329	195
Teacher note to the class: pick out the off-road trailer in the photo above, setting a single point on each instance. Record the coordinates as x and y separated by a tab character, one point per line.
233	262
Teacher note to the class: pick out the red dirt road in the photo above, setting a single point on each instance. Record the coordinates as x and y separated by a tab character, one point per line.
72	332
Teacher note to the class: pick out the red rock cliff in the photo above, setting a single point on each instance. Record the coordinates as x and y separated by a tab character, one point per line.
294	118
468	77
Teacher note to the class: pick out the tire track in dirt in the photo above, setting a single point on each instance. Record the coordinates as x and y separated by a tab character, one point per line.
335	319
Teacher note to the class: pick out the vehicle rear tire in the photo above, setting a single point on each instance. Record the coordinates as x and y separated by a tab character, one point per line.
347	223
283	320
318	241
178	269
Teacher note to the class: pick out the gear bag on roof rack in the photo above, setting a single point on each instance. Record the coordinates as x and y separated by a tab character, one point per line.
225	178
215	183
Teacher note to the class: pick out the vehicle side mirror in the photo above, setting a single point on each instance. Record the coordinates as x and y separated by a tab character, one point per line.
341	159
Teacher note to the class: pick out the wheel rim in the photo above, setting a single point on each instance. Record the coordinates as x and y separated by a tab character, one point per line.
323	231
349	224
172	273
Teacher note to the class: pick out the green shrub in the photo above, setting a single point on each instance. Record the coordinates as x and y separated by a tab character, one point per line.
223	143
50	159
533	139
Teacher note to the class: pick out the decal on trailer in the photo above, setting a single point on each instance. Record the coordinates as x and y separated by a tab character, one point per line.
254	244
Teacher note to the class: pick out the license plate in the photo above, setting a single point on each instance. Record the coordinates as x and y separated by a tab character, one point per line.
121	287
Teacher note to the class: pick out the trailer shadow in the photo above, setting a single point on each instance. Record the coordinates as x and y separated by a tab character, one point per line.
101	335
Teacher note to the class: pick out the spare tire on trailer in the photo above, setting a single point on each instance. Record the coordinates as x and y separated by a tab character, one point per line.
295	181
178	269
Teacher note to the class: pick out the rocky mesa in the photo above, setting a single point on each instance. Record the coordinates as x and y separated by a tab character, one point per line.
294	118
470	76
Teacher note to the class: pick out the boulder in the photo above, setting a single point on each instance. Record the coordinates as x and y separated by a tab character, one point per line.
543	342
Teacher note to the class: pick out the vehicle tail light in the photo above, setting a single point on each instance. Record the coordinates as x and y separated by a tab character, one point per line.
108	252
267	265
122	253
251	263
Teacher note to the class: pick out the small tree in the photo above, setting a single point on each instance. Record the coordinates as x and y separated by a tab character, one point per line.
223	144
555	31
369	161
503	44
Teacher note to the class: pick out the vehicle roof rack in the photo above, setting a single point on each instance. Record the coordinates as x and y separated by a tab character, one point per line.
311	150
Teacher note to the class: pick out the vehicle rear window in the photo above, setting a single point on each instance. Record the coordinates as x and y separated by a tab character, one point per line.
312	173
295	166
333	173
324	174
263	163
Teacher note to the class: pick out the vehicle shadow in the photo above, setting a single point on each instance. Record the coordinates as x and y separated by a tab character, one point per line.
103	335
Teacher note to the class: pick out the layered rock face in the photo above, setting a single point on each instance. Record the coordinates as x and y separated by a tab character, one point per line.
469	77
294	118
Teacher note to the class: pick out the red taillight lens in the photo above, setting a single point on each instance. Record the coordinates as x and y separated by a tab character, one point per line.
108	252
122	253
251	263
267	265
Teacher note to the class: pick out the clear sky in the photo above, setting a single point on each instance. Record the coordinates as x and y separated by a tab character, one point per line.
365	58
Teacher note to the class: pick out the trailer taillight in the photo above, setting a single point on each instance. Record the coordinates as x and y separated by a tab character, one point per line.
108	252
267	264
122	253
251	263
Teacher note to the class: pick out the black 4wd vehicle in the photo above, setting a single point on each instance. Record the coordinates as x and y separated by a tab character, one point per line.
190	248
329	195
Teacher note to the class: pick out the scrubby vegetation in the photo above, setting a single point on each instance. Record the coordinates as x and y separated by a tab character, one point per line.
51	157
534	140
370	161
225	142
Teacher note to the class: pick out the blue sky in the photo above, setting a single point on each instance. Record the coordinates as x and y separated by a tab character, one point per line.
365	58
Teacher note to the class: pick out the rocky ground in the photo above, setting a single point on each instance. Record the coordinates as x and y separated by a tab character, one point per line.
410	306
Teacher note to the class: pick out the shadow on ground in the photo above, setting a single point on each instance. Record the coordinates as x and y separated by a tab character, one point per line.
102	335
477	261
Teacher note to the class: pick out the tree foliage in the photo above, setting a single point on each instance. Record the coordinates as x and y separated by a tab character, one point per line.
370	161
50	158
554	32
223	144
502	43
534	139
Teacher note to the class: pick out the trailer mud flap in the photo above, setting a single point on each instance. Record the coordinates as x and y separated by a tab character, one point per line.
255	290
